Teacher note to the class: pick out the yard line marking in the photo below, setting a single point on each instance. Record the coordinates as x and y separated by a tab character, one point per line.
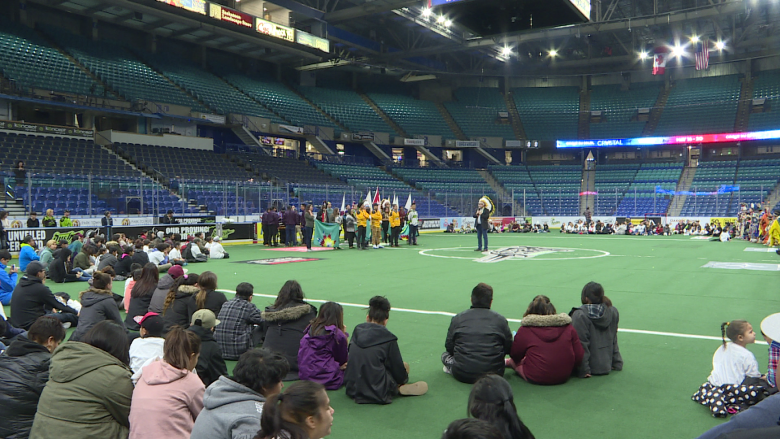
547	235
450	314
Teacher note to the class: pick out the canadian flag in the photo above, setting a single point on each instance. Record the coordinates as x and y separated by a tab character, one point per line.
659	60
376	196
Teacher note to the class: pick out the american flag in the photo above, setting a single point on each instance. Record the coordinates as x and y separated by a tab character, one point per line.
703	55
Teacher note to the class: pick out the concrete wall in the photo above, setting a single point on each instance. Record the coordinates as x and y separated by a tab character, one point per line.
167	140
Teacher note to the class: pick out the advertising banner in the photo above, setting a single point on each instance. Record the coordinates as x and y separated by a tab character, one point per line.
458	223
429	223
230	16
198	6
45	129
291	129
275	30
514	143
363	137
414	142
310	40
467	144
230	232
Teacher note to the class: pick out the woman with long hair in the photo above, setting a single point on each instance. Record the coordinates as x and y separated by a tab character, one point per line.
169	396
89	388
491	400
285	323
302	411
322	356
207	297
175	308
141	295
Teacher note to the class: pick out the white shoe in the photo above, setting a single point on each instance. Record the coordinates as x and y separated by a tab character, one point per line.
380	246
66	325
447	370
375	247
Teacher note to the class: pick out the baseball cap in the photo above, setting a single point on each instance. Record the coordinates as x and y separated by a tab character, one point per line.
140	319
176	271
153	323
33	268
771	326
207	318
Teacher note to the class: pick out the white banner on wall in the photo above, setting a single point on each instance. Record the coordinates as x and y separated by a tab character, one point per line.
414	142
467	143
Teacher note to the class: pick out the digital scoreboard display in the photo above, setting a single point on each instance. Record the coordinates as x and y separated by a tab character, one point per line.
671	140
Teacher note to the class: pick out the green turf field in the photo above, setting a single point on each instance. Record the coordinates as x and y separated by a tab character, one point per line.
657	283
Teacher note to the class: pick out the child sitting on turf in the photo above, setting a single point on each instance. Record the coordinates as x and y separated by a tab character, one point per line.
238	323
735	381
546	348
596	322
210	366
376	372
322	356
148	347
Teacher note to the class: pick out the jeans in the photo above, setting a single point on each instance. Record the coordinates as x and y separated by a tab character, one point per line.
482	231
84	275
413	234
307	233
361	237
289	238
64	317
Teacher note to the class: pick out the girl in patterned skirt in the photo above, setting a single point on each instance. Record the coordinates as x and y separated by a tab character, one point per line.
735	382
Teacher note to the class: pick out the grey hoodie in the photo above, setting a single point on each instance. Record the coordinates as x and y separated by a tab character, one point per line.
230	411
597	327
160	293
96	306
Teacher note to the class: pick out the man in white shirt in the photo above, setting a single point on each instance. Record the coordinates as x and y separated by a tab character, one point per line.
159	257
216	251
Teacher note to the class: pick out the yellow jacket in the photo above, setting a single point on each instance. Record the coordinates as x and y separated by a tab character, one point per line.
774	234
395	219
376	219
362	217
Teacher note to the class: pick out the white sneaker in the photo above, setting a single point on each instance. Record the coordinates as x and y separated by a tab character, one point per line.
66	325
447	370
380	246
375	247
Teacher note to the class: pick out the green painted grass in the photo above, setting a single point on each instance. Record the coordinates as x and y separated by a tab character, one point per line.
657	283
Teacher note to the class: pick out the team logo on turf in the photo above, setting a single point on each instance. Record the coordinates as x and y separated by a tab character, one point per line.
519	252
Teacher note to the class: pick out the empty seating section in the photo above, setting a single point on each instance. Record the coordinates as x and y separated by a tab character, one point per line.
708	178
611	182
516	180
55	155
476	112
755	178
347	107
122	71
549	113
559	187
285	169
414	116
212	90
156	199
457	188
31	62
640	198
766	86
619	107
180	163
219	198
278	98
700	106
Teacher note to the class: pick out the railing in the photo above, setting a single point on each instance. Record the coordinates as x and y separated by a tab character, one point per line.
228	198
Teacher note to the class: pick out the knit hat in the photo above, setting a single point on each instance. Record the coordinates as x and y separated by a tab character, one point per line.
176	271
207	318
770	326
33	268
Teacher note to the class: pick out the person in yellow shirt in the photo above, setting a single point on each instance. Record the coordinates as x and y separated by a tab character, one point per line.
362	218
376	226
395	226
774	231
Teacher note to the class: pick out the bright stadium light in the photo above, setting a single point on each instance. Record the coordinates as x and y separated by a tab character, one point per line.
643	55
720	45
695	39
553	53
448	23
506	51
677	51
426	12
441	19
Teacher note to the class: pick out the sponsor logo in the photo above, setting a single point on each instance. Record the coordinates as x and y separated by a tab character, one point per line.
277	261
16	224
126	221
519	252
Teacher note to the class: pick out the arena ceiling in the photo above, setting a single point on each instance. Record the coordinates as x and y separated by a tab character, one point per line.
405	38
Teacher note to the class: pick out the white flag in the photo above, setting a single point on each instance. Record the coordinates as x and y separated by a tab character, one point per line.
368	197
408	202
343	200
395	199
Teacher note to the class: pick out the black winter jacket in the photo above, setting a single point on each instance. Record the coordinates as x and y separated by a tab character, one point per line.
214	301
176	314
122	268
210	366
140	257
96	306
375	368
59	272
138	307
479	339
31	299
24	370
284	329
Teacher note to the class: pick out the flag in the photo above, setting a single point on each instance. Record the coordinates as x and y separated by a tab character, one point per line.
368	197
395	199
326	234
408	204
343	203
376	197
659	60
703	55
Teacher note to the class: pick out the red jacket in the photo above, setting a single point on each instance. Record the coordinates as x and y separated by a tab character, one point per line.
549	348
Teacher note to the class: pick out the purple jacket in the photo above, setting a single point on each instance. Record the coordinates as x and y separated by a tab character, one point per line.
320	357
301	219
267	218
290	218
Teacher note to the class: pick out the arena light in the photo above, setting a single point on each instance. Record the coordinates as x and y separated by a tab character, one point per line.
506	51
672	140
426	12
441	19
643	55
448	23
720	45
553	53
677	51
695	39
